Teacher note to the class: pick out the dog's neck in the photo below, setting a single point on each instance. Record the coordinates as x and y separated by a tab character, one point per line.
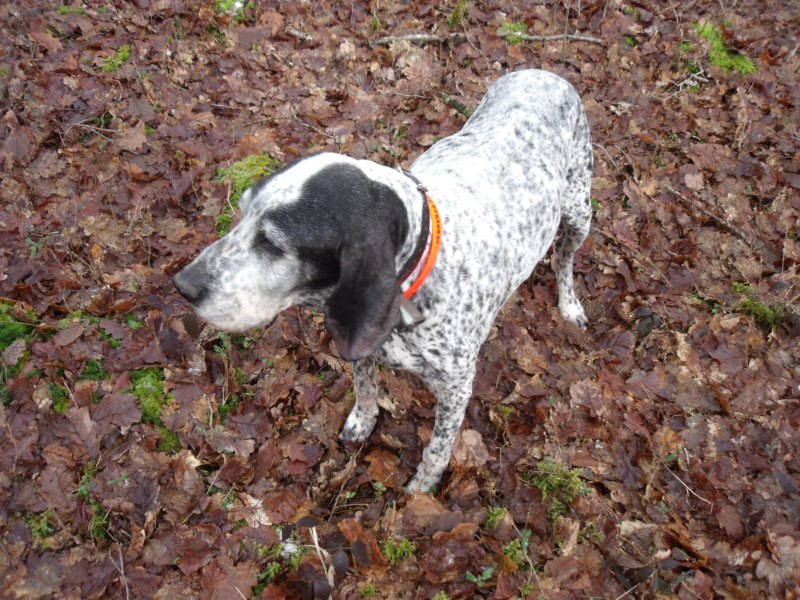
413	200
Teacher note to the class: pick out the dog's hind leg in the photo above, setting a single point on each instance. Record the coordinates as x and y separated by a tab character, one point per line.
576	217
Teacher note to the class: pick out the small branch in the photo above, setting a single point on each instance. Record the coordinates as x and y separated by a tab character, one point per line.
626	592
121	569
693	79
718	220
688	489
308	125
453	103
300	35
418	38
324	557
569	37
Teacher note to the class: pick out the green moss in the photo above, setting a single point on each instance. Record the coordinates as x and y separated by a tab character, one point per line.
93	371
459	13
77	315
170	442
517	549
235	8
719	54
10	329
112	341
631	11
133	322
396	550
559	483
217	34
241	176
512	32
59	397
267	574
768	316
227	407
42	525
98	523
630	41
70	10
494	515
114	62
148	387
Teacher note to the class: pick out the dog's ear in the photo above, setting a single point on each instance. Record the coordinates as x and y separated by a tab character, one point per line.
364	307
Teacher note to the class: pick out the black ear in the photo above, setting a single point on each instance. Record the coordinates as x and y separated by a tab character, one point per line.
364	307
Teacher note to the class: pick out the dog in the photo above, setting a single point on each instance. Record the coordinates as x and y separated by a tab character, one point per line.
464	229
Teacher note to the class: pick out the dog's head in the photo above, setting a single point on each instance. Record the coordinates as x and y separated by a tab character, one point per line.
318	232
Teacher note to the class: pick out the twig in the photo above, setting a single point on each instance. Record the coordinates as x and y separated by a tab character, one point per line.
16	449
300	35
419	38
308	125
718	220
121	569
323	554
453	103
569	37
425	38
693	79
639	255
688	489
626	592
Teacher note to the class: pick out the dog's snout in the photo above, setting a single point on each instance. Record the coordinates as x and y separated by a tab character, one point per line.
191	284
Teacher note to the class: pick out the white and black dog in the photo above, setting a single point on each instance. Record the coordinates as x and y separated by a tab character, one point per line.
351	236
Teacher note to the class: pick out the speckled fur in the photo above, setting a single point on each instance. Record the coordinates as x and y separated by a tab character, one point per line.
518	171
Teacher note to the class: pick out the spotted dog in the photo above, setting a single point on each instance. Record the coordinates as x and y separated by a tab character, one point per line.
350	236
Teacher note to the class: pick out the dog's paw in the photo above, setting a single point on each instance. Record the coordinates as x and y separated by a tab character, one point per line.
359	425
420	484
429	473
572	311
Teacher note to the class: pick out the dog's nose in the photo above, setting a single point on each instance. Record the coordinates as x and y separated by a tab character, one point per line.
190	284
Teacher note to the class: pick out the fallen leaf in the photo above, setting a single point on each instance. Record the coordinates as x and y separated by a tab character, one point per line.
470	450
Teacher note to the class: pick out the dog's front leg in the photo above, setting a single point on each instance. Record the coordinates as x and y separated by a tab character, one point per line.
362	418
452	397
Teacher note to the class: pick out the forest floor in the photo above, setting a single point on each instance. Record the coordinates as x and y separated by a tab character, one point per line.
653	455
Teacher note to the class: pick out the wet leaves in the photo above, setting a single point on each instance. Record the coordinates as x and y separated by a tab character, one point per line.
677	409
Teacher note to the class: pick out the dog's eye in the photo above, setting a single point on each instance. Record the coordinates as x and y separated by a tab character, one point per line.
264	244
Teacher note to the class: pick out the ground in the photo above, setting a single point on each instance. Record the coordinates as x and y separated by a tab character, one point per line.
142	456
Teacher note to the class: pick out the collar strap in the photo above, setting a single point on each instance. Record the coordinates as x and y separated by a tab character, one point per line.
431	228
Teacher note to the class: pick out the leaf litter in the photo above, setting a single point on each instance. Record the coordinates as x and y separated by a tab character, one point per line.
675	414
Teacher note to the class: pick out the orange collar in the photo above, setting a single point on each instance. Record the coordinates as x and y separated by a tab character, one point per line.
428	259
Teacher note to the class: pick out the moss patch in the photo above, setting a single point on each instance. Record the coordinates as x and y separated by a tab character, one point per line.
59	397
767	316
42	525
170	442
559	483
397	550
11	329
114	62
720	55
241	176
148	387
94	371
512	32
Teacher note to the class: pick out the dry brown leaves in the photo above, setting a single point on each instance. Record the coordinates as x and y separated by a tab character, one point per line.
680	410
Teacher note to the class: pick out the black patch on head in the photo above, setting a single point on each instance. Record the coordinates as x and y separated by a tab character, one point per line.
348	229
